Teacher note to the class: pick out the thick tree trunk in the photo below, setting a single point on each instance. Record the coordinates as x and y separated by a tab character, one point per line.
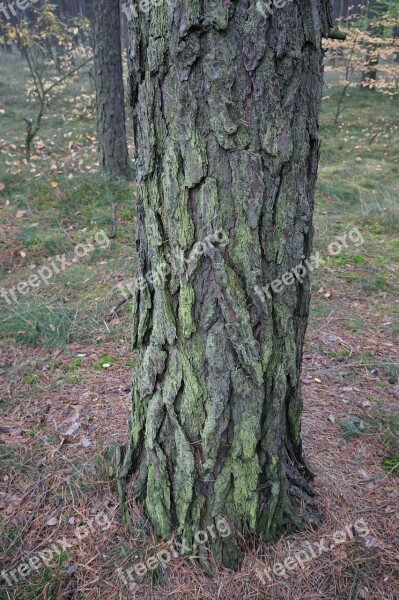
226	114
111	127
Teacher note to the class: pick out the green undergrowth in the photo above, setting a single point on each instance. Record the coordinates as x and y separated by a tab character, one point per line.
49	207
381	424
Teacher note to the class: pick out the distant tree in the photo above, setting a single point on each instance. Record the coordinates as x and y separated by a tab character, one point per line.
111	126
371	45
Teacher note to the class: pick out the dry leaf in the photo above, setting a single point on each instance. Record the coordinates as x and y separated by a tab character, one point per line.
73	429
363	474
51	522
20	214
54	184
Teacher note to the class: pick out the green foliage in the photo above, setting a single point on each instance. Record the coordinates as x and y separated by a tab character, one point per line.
33	323
391	464
44	243
31	379
384	425
75	364
104	362
10	536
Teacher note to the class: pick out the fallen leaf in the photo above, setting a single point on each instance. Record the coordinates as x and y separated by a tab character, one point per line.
73	429
51	522
363	474
20	214
54	184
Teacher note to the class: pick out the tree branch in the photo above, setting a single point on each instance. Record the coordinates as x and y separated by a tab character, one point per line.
53	85
337	34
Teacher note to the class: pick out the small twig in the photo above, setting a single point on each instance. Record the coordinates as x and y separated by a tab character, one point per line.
47	90
114	311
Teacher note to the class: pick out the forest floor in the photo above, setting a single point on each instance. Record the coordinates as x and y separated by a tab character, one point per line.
66	367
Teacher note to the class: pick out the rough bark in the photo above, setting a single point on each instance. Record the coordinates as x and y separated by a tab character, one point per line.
226	116
111	127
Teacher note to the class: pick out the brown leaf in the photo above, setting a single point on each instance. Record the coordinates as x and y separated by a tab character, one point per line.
363	474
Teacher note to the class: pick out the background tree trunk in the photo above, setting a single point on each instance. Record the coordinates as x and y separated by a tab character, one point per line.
226	117
111	127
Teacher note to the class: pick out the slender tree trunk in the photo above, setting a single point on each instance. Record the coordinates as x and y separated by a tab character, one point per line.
369	74
226	115
111	127
395	36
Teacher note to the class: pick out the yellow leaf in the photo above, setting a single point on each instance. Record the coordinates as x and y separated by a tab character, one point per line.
54	184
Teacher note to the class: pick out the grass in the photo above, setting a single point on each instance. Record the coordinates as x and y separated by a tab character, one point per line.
48	208
54	326
384	426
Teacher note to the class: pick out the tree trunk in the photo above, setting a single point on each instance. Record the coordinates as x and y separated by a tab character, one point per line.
226	115
111	127
395	36
369	74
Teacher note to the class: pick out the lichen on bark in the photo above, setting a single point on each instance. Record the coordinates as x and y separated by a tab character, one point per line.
225	109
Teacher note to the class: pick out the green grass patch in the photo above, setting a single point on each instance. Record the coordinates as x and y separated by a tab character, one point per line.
382	424
104	362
